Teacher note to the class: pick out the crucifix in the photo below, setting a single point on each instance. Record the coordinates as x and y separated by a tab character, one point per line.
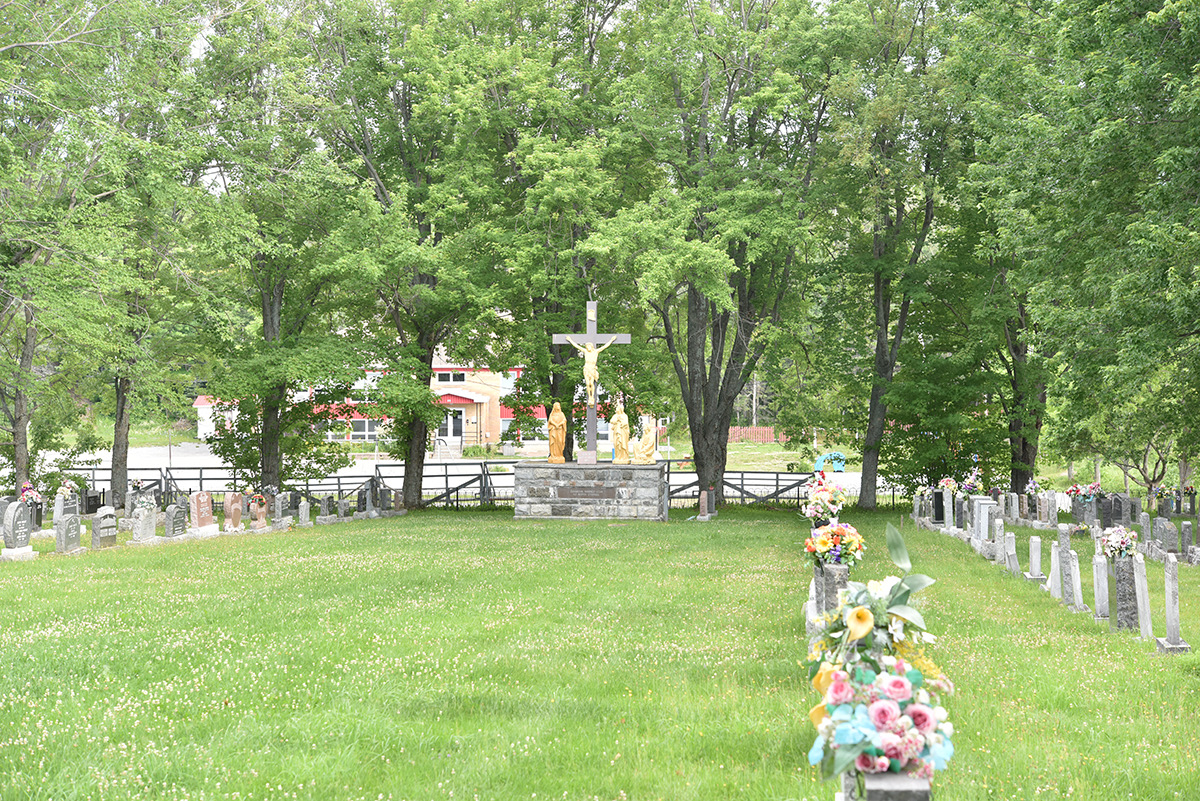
589	346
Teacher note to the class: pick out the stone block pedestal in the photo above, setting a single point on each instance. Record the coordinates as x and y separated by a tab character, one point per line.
591	492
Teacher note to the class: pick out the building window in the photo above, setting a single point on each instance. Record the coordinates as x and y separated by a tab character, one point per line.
451	378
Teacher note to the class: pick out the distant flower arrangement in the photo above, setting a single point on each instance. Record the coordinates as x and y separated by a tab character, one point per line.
948	483
1120	542
825	501
838	544
28	493
1033	488
1094	490
972	484
1074	491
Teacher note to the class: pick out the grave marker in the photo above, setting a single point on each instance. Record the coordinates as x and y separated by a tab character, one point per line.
1035	561
104	528
175	522
145	522
1125	586
258	513
204	524
1172	643
304	514
1100	587
1143	597
233	513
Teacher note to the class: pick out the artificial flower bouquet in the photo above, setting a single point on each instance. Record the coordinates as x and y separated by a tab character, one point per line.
825	501
972	484
28	493
1093	490
1075	490
1120	542
948	483
838	544
889	720
1033	488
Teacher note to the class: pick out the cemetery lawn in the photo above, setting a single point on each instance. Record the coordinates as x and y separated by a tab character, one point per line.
465	655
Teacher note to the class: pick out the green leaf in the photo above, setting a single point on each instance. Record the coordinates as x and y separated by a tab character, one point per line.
915	582
909	614
896	548
844	757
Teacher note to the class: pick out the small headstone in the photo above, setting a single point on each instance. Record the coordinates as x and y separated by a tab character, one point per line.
702	516
1135	507
1143	597
939	508
1144	525
398	501
385	500
362	501
145	523
304	514
1168	536
1185	537
1068	582
343	507
1106	513
1077	585
1010	554
1173	643
1165	507
176	522
204	524
279	511
372	512
66	534
233	513
325	514
1023	507
18	528
1035	561
258	515
104	528
1100	587
324	502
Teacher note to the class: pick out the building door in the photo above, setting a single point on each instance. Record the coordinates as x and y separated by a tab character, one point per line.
451	430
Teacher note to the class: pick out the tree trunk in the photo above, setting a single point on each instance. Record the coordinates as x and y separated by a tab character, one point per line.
418	442
123	387
1096	470
1071	475
271	459
22	413
1185	471
884	369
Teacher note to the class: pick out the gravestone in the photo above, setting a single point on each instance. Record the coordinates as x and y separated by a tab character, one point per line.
1051	512
282	521
324	515
66	532
343	507
360	507
145	523
1023	507
293	509
1013	507
1077	508
939	508
1172	643
175	526
1142	591
258	516
1147	531
1055	578
1167	535
279	510
1106	513
1000	552
385	502
1165	507
1121	511
58	506
1185	537
1035	561
702	513
1010	554
1135	508
960	512
1090	517
204	524
304	514
1100	587
104	528
398	502
1177	504
372	512
1067	581
1125	586
1077	585
233	513
18	528
916	508
92	501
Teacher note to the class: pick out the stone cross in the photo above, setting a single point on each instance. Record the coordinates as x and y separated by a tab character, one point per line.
593	338
1172	643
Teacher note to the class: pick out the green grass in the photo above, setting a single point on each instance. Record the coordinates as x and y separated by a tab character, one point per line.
464	655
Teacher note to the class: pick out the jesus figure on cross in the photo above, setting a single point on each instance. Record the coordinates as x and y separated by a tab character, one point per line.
591	373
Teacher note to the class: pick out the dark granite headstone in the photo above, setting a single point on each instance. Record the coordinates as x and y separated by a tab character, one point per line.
18	525
362	501
939	509
92	501
1106	513
325	502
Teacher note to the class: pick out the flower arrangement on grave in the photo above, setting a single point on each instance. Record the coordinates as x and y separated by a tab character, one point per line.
145	501
1094	491
836	544
948	483
65	491
825	501
880	708
1074	491
1120	541
1189	490
972	484
1160	492
890	720
258	498
1033	488
28	493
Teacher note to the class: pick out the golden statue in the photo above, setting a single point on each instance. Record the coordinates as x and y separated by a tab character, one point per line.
643	451
557	424
618	431
591	373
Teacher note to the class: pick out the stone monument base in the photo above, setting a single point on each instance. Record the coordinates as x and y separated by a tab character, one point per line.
591	492
204	532
18	554
325	520
1170	649
1039	578
155	540
231	530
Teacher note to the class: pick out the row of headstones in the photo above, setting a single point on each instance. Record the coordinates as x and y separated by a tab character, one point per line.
1132	597
17	520
945	509
1106	512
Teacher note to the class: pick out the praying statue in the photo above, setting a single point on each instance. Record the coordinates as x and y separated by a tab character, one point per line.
643	451
618	427
591	373
557	425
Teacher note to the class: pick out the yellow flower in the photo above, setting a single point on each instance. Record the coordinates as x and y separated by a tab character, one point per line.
824	678
817	714
823	543
860	623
